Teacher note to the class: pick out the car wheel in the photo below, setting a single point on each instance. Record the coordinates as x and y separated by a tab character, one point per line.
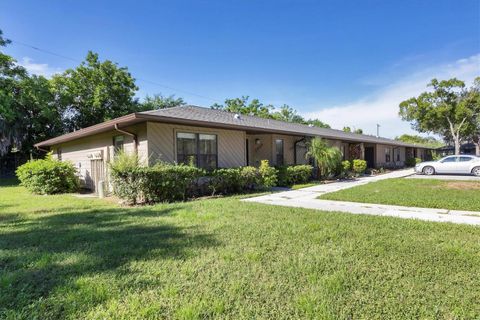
476	171
428	170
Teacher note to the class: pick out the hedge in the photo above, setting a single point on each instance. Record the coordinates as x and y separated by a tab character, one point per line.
359	166
290	175
48	176
411	162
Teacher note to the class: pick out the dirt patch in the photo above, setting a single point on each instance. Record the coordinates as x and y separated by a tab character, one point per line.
462	185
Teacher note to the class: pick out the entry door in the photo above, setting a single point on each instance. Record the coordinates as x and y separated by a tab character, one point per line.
370	157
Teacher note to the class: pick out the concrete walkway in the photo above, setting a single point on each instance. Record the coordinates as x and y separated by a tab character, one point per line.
307	198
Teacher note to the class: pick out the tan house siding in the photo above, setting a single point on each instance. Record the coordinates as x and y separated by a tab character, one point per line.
162	143
77	151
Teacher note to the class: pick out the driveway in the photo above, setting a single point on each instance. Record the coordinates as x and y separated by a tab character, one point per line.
307	198
445	177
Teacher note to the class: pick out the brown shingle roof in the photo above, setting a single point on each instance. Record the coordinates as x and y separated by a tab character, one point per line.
194	115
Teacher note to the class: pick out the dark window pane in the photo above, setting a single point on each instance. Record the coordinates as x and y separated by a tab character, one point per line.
117	144
186	148
279	152
207	153
464	159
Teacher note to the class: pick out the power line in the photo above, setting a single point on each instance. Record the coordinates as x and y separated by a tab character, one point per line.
140	79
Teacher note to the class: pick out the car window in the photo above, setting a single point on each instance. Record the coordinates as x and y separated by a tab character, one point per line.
465	159
449	159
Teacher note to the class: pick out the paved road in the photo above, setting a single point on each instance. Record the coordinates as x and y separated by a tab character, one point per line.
307	198
445	177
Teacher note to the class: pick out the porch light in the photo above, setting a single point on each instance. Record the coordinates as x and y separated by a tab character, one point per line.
258	141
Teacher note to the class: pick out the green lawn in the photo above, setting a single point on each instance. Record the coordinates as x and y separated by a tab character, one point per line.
64	257
426	193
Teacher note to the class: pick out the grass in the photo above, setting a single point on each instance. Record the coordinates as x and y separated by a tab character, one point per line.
425	193
63	257
305	185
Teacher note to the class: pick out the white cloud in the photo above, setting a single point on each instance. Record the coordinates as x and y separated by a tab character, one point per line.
40	69
382	106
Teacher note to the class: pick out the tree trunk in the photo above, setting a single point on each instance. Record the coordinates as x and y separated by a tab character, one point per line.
457	146
477	147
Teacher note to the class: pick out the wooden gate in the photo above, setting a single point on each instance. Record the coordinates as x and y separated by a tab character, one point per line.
97	171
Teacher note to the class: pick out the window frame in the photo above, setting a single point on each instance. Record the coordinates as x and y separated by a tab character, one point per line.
388	155
197	146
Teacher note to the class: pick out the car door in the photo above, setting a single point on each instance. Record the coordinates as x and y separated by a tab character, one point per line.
464	164
447	165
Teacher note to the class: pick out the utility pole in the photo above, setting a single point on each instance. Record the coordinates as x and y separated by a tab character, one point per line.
378	130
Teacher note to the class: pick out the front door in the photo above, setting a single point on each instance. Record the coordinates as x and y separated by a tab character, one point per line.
370	156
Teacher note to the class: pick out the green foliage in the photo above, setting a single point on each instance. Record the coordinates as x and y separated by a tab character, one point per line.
94	92
159	101
359	166
411	162
327	158
346	168
290	175
125	161
446	111
431	142
349	130
268	174
256	108
48	176
234	180
160	183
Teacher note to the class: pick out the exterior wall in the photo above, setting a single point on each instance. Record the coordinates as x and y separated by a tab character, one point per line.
162	143
380	156
265	149
342	146
78	151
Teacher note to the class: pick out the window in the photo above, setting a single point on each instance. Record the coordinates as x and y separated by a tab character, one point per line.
465	159
207	153
398	155
279	152
117	144
197	149
449	159
388	154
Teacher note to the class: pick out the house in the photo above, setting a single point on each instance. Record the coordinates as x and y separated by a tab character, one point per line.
213	138
466	148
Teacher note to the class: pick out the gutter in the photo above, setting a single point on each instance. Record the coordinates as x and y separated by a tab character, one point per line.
134	136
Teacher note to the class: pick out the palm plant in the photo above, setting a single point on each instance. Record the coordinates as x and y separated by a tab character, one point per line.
326	158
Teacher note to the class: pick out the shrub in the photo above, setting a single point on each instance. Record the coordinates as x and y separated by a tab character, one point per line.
234	180
346	166
124	161
290	175
268	174
411	162
359	166
225	181
48	176
327	158
160	183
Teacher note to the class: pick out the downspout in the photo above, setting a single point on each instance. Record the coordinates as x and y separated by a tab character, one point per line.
134	136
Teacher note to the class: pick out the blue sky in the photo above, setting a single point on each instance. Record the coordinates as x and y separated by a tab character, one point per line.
347	62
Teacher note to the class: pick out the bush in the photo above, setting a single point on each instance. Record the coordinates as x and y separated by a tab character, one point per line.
411	162
234	180
160	183
268	174
48	176
290	175
359	166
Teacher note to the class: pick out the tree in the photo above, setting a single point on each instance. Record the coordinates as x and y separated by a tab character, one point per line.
242	106
440	111
158	101
317	123
27	113
327	158
415	139
472	101
94	92
256	108
349	130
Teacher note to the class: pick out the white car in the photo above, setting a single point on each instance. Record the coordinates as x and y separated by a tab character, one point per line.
459	164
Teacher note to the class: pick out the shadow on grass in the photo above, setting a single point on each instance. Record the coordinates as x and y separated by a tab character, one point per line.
8	182
52	251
